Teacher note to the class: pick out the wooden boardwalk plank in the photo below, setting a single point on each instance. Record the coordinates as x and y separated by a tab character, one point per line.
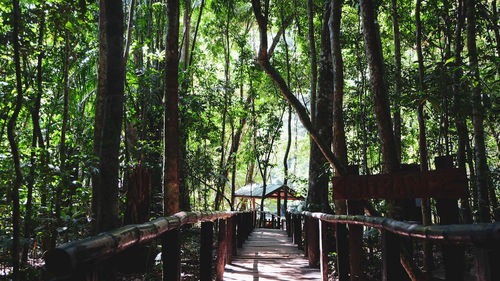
269	254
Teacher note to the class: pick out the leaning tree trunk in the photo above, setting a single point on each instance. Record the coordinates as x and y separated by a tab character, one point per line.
11	127
482	171
111	93
301	111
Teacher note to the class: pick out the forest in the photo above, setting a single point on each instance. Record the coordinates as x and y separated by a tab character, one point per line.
115	112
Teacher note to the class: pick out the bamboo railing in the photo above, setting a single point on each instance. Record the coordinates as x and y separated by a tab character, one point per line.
85	259
483	238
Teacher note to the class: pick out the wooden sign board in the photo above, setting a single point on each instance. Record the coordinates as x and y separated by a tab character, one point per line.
443	183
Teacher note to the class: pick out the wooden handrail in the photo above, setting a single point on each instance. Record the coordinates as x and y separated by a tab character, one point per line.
463	234
66	258
484	239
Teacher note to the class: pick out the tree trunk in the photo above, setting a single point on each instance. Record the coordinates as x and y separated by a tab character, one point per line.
11	128
62	149
171	129
339	139
379	89
289	128
196	32
184	58
422	143
458	104
397	77
362	101
482	171
339	142
37	139
497	34
221	183
99	109
312	56
110	97
317	194
129	34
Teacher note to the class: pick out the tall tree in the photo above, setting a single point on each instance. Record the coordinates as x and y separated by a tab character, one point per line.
110	94
11	127
289	124
379	89
36	141
462	131
312	57
482	170
317	194
397	76
171	245
171	113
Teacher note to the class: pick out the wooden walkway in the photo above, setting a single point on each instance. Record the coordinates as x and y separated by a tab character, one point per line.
269	254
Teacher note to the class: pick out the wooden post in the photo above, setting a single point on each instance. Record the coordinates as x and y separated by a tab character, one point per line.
239	230
278	210
297	233
312	242
273	222
447	209
305	228
207	232
486	263
221	250
288	224
390	257
229	240
323	250
342	251
355	207
171	255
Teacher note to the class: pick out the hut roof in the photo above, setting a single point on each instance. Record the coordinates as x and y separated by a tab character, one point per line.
254	190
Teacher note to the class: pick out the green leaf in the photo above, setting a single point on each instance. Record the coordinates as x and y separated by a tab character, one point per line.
69	26
450	60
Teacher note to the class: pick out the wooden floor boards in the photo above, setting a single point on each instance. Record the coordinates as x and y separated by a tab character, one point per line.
269	254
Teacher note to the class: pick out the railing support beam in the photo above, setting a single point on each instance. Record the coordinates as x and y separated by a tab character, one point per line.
342	251
312	241
391	266
206	242
221	250
323	250
170	253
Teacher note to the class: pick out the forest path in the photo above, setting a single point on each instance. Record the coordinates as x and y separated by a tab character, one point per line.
269	254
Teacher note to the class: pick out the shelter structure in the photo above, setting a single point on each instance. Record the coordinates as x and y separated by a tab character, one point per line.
273	191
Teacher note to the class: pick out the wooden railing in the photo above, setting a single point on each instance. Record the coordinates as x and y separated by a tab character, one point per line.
96	258
309	233
275	221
